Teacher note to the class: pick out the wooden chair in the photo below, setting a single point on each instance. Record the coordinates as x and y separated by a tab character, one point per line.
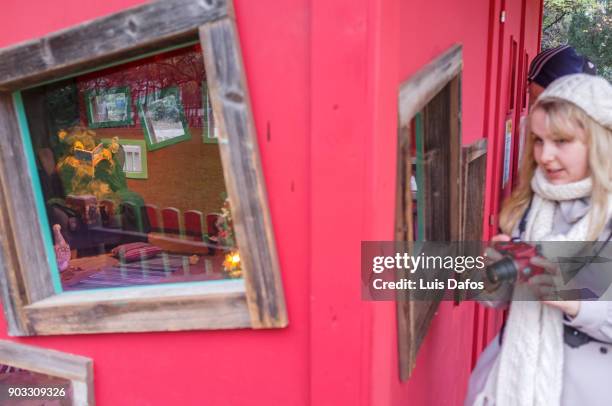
153	216
194	222
171	221
133	219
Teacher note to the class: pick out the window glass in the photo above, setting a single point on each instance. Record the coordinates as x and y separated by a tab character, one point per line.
131	176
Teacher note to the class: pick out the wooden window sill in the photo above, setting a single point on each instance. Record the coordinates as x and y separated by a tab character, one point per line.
216	305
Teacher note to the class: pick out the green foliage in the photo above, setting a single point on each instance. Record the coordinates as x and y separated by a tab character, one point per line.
584	24
590	34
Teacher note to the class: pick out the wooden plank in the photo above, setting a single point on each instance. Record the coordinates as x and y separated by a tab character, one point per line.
475	150
473	174
13	298
435	92
436	130
175	244
77	369
119	36
473	180
243	173
403	205
416	92
404	232
404	339
158	308
24	230
13	295
454	143
44	361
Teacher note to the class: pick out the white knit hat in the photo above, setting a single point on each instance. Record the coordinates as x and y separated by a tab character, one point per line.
592	94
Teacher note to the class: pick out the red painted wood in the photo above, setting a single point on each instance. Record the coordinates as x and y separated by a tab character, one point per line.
323	79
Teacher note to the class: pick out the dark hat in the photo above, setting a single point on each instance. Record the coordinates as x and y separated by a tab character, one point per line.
556	62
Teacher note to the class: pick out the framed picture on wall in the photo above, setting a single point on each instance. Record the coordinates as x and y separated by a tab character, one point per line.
108	107
162	118
210	132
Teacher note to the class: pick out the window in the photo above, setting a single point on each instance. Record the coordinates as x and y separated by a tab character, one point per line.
429	149
434	173
60	378
135	164
125	192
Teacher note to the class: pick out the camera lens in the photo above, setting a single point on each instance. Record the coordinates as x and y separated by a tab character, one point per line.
502	270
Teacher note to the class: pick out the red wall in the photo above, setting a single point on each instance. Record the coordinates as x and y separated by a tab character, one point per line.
426	29
240	367
323	78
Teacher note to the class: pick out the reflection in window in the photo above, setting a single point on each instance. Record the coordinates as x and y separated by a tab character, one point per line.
133	188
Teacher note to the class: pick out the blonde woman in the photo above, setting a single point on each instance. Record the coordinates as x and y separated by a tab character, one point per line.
556	353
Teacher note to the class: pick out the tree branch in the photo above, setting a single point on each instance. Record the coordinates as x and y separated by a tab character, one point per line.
555	21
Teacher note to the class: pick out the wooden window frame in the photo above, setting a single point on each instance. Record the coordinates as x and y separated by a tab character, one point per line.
30	302
414	317
74	368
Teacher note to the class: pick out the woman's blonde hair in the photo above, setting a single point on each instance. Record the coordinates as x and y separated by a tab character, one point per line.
564	119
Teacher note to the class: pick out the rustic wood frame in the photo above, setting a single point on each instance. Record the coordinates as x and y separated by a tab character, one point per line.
473	177
31	304
473	174
75	368
427	91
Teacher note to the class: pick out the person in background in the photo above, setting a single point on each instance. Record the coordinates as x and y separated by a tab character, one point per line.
556	352
551	64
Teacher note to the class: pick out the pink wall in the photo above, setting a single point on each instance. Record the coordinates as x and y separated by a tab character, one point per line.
241	367
323	79
426	29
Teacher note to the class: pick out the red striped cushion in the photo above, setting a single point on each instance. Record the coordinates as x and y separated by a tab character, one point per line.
135	251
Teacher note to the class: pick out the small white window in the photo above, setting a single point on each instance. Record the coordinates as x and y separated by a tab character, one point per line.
133	158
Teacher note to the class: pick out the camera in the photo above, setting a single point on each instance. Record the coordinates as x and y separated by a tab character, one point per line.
515	264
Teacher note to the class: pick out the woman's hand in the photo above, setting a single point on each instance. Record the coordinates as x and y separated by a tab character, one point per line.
544	288
501	237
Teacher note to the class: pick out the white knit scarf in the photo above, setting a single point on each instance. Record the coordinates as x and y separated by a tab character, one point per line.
529	369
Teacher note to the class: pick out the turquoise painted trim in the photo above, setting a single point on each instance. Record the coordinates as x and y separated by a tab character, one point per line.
110	65
155	285
420	179
41	212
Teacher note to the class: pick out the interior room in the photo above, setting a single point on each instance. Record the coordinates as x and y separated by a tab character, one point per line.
131	179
